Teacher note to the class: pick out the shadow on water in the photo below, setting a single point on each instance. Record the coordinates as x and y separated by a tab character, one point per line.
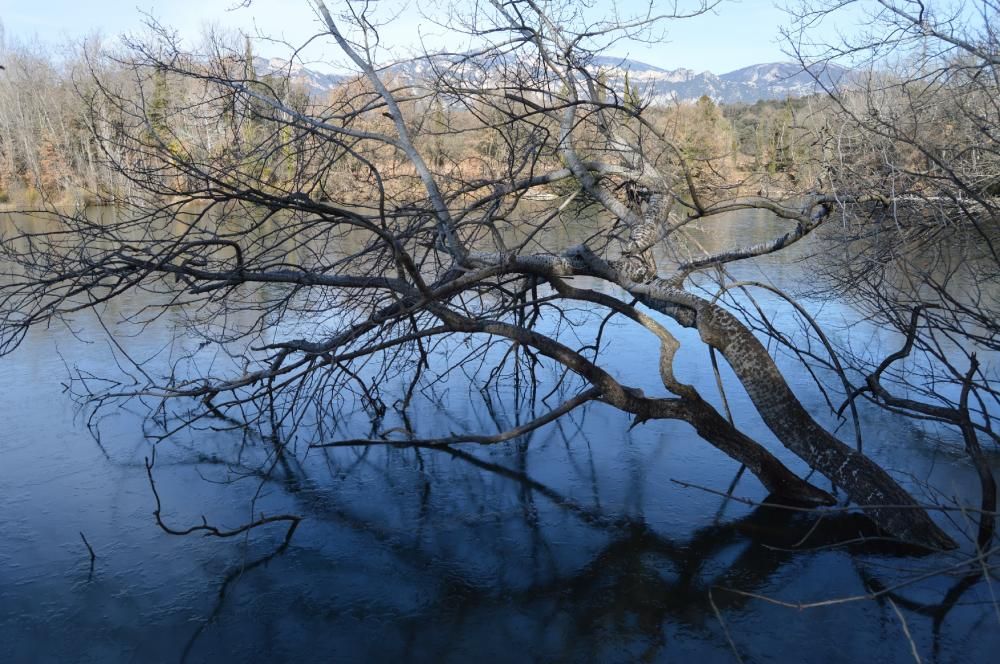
613	605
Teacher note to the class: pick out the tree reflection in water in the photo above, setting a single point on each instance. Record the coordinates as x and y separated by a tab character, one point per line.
484	570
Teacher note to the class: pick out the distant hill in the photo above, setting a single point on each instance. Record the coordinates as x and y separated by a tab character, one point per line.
316	82
774	80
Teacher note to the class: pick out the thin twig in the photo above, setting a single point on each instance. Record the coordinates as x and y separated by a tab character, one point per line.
725	629
906	631
208	529
93	556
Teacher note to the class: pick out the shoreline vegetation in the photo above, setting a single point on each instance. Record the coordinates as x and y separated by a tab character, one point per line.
51	154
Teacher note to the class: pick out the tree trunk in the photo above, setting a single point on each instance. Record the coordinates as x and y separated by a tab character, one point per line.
868	485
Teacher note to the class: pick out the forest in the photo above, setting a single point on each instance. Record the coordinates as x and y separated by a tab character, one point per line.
50	153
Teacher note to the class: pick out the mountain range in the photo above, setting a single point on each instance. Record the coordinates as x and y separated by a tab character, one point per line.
774	80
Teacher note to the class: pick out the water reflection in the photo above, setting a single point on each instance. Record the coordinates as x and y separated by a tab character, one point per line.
630	594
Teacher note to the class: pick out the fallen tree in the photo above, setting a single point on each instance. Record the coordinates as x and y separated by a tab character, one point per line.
445	250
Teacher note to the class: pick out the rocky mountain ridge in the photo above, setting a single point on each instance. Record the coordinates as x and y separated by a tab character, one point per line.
765	81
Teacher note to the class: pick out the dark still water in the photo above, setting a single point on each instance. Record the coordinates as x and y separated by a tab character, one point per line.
570	544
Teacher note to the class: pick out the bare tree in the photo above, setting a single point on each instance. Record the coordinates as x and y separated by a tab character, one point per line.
914	161
332	304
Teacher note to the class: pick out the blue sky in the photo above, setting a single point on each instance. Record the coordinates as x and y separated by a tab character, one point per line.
738	33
